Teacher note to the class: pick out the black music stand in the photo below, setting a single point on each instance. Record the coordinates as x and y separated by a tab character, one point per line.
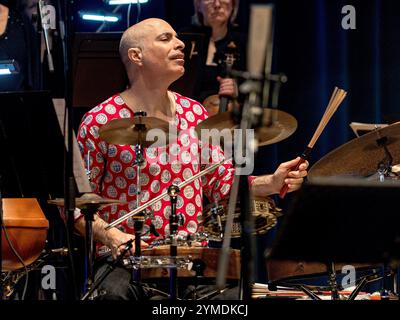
333	220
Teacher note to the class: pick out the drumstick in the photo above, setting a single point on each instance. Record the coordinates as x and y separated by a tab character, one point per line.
336	99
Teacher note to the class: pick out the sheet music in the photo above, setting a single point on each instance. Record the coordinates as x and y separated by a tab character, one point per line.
81	178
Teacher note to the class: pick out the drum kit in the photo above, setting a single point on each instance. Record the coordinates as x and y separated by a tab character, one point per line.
368	155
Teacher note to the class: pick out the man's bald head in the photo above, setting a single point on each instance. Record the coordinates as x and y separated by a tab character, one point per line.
135	36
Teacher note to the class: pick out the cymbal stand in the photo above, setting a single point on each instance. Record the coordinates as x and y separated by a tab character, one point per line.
89	211
385	166
173	191
109	269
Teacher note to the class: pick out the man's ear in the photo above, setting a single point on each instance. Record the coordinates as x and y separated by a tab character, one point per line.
135	55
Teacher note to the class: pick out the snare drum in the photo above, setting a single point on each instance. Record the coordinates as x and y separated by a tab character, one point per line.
188	258
264	211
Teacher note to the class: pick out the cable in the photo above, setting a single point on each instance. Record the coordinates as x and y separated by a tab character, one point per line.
128	15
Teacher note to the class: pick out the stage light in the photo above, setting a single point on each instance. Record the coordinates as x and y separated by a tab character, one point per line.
99	17
8	67
115	2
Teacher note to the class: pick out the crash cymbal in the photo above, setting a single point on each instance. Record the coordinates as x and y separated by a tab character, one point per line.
361	156
87	199
132	131
283	126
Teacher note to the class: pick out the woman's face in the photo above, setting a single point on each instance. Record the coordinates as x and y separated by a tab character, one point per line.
216	11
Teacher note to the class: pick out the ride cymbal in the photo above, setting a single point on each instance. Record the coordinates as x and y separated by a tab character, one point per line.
276	126
360	156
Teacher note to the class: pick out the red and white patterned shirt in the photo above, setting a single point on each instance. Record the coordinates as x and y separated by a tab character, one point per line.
114	176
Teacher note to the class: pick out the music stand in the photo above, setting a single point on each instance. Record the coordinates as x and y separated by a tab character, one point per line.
98	71
334	220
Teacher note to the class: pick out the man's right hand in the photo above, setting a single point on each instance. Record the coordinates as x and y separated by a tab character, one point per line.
115	240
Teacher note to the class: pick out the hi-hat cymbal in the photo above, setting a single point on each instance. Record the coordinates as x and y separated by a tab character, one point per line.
361	156
87	199
282	126
132	131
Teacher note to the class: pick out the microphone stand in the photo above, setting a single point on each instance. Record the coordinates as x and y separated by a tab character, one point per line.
43	26
173	191
65	25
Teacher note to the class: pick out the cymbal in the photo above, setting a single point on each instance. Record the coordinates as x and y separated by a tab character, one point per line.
283	126
87	199
132	131
360	156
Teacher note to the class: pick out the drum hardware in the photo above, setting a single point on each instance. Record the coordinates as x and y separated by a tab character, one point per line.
89	294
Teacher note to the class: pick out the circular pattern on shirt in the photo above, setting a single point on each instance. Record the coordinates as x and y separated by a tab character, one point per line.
187	173
120	182
164	158
191	226
132	190
221	170
145	230
184	124
215	155
121	213
158	222
132	205
179	109
90	145
94	172
113	208
217	184
185	140
155	186
198	200
130	173
225	189
165	176
185	156
167	212
130	222
97	108
115	166
112	150
88	119
144	179
197	109
124	113
190	116
179	202
151	153
194	149
205	155
144	196
154	169
156	206
103	147
193	133
82	132
177	181
111	192
118	100
176	166
122	197
101	118
188	192
175	149
166	230
217	197
126	156
190	209
99	157
110	109
94	130
197	184
184	103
